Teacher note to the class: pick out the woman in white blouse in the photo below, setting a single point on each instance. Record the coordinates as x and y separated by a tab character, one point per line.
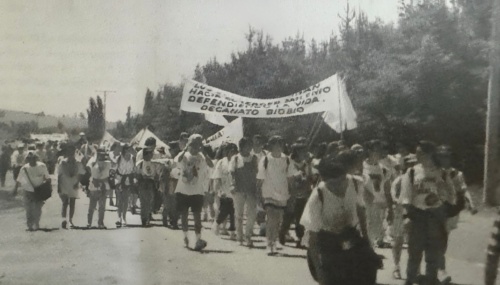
31	175
337	253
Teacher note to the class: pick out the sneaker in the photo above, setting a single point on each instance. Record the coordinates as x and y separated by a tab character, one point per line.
102	227
269	250
200	244
124	223
396	274
224	232
443	277
64	225
89	226
232	236
118	224
186	242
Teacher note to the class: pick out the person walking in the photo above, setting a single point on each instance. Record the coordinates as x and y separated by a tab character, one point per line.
337	252
300	189
5	163
32	175
99	168
424	195
243	168
191	186
148	173
125	167
68	184
273	178
18	159
225	189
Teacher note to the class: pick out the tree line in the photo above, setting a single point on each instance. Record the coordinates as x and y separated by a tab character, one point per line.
425	77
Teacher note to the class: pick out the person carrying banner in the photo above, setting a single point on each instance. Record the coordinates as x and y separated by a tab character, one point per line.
191	186
33	174
273	177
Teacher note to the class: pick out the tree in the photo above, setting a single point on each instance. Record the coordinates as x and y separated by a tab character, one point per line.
95	119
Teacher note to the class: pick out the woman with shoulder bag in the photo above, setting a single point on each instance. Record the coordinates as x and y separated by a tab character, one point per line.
338	253
32	175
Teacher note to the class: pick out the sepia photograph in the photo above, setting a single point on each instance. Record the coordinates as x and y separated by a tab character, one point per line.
263	142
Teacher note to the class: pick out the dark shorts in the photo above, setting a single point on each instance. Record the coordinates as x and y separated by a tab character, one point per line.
184	202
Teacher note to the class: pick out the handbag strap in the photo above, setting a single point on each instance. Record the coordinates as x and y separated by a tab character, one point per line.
27	174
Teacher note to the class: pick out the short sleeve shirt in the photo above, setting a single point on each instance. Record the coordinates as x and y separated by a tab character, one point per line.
37	175
193	175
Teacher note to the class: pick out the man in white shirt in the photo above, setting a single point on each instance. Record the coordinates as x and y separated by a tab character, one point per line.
191	187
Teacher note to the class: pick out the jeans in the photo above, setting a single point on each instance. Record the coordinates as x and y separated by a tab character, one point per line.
147	189
33	210
274	218
292	214
97	197
240	200
122	197
375	214
427	233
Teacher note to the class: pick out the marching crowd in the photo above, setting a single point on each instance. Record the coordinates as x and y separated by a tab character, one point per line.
342	200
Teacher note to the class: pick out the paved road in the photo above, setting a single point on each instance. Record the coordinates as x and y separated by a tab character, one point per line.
156	255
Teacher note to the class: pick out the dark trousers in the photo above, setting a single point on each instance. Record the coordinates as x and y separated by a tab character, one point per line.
147	189
292	214
3	175
16	171
226	209
195	202
427	233
170	215
330	263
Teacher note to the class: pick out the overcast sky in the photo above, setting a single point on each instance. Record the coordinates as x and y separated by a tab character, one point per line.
55	54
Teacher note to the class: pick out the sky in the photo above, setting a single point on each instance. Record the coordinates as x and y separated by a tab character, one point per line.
56	54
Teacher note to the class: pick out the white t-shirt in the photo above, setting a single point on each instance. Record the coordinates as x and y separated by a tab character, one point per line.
149	169
275	176
335	213
222	172
99	174
194	175
376	178
426	183
37	174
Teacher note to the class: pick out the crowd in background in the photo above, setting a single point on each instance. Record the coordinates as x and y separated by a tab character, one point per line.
342	200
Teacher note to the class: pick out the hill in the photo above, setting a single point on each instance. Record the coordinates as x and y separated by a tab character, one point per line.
45	121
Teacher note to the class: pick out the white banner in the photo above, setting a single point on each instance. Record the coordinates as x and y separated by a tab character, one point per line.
201	98
341	116
233	132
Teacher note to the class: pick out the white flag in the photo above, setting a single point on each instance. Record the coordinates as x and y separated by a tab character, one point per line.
232	133
341	116
216	119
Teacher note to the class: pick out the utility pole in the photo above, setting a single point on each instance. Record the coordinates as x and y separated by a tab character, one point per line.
491	195
105	92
